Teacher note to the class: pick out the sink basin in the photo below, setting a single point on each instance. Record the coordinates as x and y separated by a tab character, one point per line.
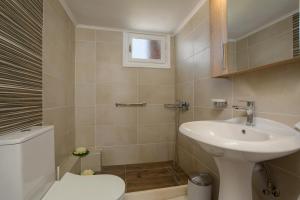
264	141
237	147
241	134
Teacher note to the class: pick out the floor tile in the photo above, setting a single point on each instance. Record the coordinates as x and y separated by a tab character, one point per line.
139	177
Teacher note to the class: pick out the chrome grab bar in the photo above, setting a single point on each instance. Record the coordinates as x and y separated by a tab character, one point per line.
172	106
131	104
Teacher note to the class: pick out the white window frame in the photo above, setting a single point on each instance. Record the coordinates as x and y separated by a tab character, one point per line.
128	61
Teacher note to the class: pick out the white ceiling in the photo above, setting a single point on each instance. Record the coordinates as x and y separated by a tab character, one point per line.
245	16
163	16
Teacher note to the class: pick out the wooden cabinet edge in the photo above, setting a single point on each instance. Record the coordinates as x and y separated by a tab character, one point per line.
218	36
259	68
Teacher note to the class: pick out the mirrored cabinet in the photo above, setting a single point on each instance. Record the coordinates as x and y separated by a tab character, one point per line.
248	35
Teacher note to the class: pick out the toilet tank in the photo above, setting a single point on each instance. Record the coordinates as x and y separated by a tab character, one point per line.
27	166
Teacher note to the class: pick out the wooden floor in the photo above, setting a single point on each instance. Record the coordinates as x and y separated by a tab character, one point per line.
139	177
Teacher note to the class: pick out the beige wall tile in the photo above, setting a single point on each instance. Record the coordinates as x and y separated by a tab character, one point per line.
85	115
111	135
109	36
187	116
112	73
125	93
105	114
188	46
125	75
85	53
109	53
202	64
276	29
85	73
231	59
85	95
242	54
287	119
53	92
268	51
185	70
125	116
185	92
58	78
207	89
58	41
109	114
64	142
212	114
272	92
155	152
157	94
242	59
157	76
156	133
85	135
104	94
272	44
201	36
120	155
116	93
83	34
155	114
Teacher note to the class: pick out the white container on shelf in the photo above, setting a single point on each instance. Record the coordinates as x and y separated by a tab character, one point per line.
220	103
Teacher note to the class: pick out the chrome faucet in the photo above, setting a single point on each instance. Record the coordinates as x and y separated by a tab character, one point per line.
249	110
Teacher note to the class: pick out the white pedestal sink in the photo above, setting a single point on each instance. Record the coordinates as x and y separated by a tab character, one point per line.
237	147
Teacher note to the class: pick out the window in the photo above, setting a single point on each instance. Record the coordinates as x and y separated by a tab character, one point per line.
145	50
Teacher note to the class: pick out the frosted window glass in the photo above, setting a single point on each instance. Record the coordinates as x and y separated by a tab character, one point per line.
146	49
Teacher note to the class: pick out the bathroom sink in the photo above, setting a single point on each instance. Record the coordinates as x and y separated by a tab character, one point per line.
237	147
264	141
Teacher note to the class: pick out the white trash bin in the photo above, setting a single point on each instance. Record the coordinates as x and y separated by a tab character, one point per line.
199	187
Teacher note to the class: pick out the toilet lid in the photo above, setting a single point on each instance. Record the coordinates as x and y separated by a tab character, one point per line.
75	187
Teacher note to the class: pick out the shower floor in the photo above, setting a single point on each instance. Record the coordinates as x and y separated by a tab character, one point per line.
139	177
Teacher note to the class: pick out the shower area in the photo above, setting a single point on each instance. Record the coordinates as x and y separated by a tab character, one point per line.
153	175
130	115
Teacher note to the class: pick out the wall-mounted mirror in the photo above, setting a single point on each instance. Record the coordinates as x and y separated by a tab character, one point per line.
260	33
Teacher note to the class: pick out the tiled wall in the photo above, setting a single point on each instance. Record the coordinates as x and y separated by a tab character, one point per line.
193	84
20	65
275	91
272	44
126	135
58	77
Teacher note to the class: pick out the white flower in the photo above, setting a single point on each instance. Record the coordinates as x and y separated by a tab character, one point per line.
87	172
80	150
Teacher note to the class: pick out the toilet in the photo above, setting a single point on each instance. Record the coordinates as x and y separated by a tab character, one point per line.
87	187
27	171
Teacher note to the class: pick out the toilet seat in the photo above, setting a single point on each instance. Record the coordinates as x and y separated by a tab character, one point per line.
98	187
